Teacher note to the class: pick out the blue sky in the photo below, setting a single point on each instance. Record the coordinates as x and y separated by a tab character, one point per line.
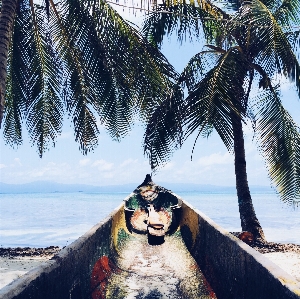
120	163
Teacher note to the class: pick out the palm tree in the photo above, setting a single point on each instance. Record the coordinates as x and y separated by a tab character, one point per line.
77	57
248	50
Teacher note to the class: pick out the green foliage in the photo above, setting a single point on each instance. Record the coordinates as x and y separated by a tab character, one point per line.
18	76
186	20
82	58
248	49
279	143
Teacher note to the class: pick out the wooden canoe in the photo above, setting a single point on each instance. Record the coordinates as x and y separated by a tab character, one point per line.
155	246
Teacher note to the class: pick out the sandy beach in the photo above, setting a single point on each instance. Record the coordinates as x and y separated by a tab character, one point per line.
15	262
286	256
12	268
288	261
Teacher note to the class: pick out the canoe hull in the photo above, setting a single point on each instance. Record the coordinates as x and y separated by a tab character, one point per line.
232	268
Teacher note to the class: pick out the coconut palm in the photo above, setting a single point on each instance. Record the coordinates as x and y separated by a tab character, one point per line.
77	57
234	79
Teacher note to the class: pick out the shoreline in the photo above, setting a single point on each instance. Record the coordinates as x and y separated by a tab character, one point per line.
15	262
11	252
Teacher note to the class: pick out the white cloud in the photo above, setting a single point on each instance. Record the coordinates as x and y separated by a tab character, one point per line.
212	164
108	175
103	165
129	162
51	171
84	162
18	161
37	173
216	159
168	166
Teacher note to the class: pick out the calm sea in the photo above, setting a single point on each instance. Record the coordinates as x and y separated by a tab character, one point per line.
44	219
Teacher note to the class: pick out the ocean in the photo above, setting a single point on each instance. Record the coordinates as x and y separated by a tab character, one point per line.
45	219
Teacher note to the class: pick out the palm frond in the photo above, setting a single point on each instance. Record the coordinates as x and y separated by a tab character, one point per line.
272	5
279	141
164	131
138	69
287	13
213	103
45	108
218	96
197	68
137	65
263	38
285	10
87	80
121	74
186	20
81	104
294	39
17	79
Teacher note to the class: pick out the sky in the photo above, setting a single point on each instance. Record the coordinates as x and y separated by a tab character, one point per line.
114	163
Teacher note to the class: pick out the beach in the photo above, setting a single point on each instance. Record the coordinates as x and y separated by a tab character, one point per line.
288	261
12	268
15	262
286	256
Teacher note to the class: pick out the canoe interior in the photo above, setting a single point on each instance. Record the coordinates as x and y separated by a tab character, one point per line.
135	269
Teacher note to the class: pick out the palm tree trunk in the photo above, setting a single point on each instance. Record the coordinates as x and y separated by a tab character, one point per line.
7	15
249	221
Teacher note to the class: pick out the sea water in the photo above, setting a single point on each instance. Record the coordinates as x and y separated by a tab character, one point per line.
45	219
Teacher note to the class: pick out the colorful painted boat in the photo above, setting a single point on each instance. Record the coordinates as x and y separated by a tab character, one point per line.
153	247
148	257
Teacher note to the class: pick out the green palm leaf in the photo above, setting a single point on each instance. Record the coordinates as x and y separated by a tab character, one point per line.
164	132
216	99
33	81
45	108
17	80
186	20
197	68
212	103
279	140
86	78
109	72
139	69
265	40
286	12
121	73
